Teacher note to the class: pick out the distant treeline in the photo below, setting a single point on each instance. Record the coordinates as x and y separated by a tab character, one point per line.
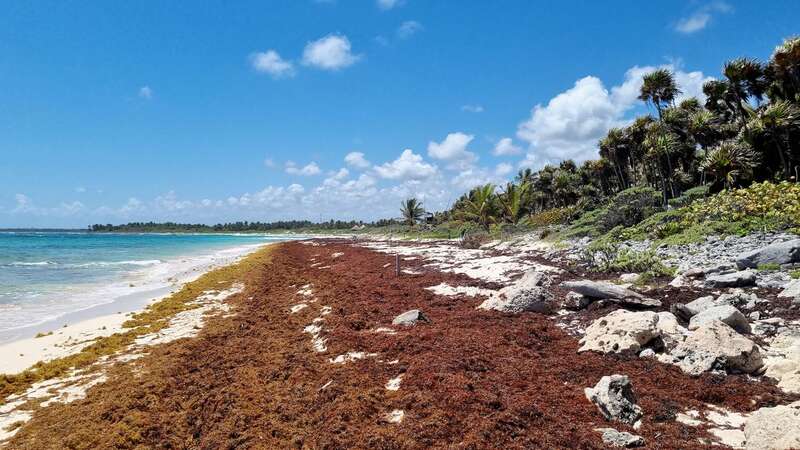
172	227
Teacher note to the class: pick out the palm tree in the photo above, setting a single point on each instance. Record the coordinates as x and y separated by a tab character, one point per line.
412	211
661	144
776	122
729	162
513	201
480	206
659	89
745	80
784	71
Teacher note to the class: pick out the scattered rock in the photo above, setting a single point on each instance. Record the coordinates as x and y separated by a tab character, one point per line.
726	314
717	346
576	301
778	253
736	279
694	272
629	277
614	398
791	290
622	439
774	428
410	318
621	331
526	294
608	291
694	307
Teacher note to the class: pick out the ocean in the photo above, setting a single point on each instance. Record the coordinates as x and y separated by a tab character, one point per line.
45	276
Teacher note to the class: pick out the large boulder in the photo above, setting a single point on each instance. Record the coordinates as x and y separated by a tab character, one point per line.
409	318
742	278
621	331
726	314
671	332
778	253
717	346
782	360
609	291
791	290
622	439
526	294
775	428
614	398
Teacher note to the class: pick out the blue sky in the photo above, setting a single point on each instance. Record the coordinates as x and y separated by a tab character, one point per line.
248	110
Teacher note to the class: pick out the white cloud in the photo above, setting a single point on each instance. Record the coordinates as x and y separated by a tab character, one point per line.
388	4
572	122
506	147
80	189
145	92
701	18
269	163
409	166
408	29
332	52
270	62
340	174
503	169
453	149
472	108
357	160
308	170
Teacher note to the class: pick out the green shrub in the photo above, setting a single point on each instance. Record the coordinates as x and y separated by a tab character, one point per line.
605	256
689	196
769	266
630	207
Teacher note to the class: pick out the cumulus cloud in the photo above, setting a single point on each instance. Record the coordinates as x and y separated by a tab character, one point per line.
503	169
270	62
408	29
472	108
357	160
506	147
308	170
572	122
388	4
332	52
699	19
409	166
145	92
453	149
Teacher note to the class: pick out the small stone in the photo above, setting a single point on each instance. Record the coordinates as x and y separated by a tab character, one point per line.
622	439
409	318
614	398
726	314
736	279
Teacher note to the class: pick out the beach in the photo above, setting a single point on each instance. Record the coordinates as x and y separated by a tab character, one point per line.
301	346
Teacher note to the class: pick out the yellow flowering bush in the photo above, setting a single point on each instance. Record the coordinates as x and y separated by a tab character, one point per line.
761	206
553	216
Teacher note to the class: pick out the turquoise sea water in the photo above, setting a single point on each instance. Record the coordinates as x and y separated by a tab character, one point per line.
44	275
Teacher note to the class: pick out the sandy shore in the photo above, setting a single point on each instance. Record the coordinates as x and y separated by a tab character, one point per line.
70	333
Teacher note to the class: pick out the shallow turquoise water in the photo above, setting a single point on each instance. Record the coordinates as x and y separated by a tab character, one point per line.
47	274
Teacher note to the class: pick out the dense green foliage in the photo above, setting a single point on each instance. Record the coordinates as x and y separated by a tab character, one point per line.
747	131
234	227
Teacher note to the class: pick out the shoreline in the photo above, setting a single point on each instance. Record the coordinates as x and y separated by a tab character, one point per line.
73	331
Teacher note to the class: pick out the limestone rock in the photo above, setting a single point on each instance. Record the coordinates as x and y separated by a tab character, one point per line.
622	439
614	398
726	314
621	331
409	318
774	428
526	294
792	289
576	301
715	345
608	291
778	253
736	279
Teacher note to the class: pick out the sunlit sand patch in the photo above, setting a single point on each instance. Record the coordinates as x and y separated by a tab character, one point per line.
384	330
350	357
298	307
306	290
394	383
316	340
337	254
448	290
411	272
325	310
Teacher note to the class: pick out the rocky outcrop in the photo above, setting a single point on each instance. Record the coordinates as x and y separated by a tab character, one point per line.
526	294
621	439
717	346
778	253
776	428
628	332
791	290
614	397
782	360
608	291
726	314
409	318
735	279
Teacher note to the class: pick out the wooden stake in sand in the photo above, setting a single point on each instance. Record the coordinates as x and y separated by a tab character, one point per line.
397	265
